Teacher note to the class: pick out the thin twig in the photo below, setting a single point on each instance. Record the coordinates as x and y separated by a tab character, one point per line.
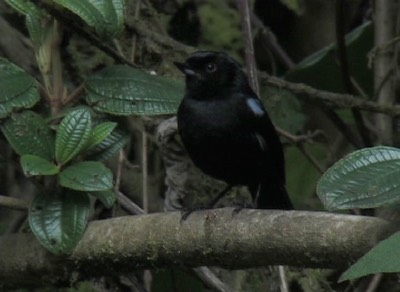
374	284
345	69
282	277
71	97
13	203
121	160
385	13
243	7
311	158
145	171
272	41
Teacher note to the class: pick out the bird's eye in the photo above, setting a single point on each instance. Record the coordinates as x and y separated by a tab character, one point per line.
211	67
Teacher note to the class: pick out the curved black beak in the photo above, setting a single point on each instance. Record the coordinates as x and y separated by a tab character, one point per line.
185	68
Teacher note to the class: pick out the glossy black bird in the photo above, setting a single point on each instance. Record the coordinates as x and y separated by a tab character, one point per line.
227	131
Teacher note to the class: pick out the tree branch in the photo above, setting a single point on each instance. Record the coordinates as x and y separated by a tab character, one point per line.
331	99
384	25
219	237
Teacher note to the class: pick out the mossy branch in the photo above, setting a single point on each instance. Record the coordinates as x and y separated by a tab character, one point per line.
220	237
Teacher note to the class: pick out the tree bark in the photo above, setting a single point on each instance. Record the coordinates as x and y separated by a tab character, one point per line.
219	237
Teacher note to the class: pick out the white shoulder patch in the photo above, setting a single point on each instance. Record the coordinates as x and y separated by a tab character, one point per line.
255	106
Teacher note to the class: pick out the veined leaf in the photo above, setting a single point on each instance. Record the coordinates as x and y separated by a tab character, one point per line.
366	178
28	133
59	220
72	134
105	16
107	197
109	146
87	176
122	90
18	89
34	165
383	258
100	132
34	17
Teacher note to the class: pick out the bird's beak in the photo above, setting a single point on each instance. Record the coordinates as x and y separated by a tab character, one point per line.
185	69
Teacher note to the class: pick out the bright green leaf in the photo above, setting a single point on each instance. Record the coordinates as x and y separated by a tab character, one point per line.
59	220
366	178
18	89
34	165
107	197
383	258
87	176
73	134
109	146
100	132
122	90
105	16
28	133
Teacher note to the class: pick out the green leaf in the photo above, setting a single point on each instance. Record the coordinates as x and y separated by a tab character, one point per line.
87	176
109	146
34	165
366	178
59	220
383	258
123	90
101	132
105	16
18	89
296	6
107	197
34	19
284	108
359	42
28	133
73	134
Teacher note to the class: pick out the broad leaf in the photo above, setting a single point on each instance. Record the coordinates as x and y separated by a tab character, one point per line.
359	42
34	165
59	220
18	89
73	134
100	132
34	19
87	176
109	146
122	90
105	16
383	258
107	197
28	133
366	178
284	108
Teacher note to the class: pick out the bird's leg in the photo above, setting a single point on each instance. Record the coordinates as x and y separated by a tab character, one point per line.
210	205
214	201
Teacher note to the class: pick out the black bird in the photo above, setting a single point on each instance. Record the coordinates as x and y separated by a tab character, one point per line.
227	131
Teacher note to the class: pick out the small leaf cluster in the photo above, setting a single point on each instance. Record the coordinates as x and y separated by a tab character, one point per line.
62	145
58	219
366	178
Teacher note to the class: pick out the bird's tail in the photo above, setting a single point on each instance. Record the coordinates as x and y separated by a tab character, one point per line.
269	195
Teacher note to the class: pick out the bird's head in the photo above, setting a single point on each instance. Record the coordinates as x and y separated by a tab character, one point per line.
211	73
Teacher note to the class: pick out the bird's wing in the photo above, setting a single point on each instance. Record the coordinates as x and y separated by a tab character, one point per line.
262	129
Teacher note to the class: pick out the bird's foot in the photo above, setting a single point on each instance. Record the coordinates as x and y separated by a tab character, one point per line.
240	207
185	212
